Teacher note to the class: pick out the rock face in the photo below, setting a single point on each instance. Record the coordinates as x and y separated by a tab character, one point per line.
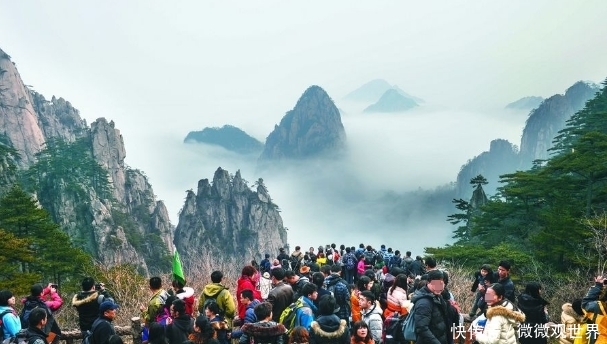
18	119
545	122
226	218
392	101
228	137
128	225
526	103
501	158
313	128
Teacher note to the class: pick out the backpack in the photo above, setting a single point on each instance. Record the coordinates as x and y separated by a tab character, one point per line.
27	309
288	317
88	335
350	261
395	261
19	338
393	327
331	287
408	326
295	262
2	317
369	257
212	298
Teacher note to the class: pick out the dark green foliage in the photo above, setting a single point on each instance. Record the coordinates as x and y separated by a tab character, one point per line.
543	213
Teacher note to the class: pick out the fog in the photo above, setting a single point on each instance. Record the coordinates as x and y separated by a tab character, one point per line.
161	69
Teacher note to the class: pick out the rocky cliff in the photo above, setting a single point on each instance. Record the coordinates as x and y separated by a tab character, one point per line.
545	121
123	225
312	129
225	218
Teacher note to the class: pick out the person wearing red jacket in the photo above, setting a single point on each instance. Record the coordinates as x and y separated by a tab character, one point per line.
246	281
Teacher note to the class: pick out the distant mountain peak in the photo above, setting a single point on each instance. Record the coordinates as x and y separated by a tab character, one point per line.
525	103
392	101
374	89
311	129
228	137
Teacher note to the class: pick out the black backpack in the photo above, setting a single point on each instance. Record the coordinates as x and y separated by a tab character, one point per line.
28	307
19	338
212	298
369	257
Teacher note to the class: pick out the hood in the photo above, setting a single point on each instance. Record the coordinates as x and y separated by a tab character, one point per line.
253	304
528	303
84	297
183	322
507	312
187	292
213	288
569	312
329	326
264	329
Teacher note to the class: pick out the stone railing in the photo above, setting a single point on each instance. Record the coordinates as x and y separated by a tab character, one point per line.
134	331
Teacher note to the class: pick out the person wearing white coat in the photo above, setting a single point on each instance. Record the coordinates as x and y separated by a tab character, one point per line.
503	319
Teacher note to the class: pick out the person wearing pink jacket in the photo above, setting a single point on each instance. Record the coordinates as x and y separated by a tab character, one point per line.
51	298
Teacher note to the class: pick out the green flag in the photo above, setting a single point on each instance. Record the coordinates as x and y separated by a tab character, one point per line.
177	269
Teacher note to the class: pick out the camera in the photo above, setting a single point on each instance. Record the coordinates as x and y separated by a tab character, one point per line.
54	286
99	286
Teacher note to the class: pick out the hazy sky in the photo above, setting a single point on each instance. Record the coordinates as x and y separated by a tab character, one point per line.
160	69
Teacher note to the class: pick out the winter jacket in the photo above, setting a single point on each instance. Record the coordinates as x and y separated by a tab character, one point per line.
501	325
36	336
245	282
221	327
52	299
263	332
187	295
306	314
591	305
431	319
179	329
280	297
249	318
360	267
341	294
87	305
372	317
224	300
103	330
354	301
329	329
354	341
396	302
51	324
155	305
571	320
416	267
508	287
11	324
535	316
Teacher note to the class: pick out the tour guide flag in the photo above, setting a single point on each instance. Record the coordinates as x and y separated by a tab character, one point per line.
177	269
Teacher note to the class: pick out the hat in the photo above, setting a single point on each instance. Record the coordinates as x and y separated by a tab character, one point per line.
266	275
107	305
434	275
304	269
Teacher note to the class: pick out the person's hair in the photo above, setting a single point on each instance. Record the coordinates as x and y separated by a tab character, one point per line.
498	289
313	258
206	330
155	283
308	289
408	253
262	310
318	278
390	249
369	247
278	273
342	247
115	339
361	245
213	307
577	307
321	254
299	335
371	274
487	268
216	276
348	250
335	268
326	269
169	301
177	284
397	252
362	282
431	262
533	289
368	295
399	281
327	304
333	245
247	294
156	333
247	270
87	283
36	316
356	326
36	290
290	273
179	306
505	264
4	296
297	248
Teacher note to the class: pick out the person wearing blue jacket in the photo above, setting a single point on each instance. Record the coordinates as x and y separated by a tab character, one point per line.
306	314
10	320
247	298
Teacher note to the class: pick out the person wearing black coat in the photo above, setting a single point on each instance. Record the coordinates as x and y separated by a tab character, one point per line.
328	327
533	306
181	323
102	328
433	314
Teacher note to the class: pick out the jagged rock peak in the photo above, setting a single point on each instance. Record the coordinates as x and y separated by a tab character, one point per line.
313	128
229	220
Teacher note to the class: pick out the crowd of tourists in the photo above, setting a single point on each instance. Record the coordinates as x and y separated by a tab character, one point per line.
327	295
